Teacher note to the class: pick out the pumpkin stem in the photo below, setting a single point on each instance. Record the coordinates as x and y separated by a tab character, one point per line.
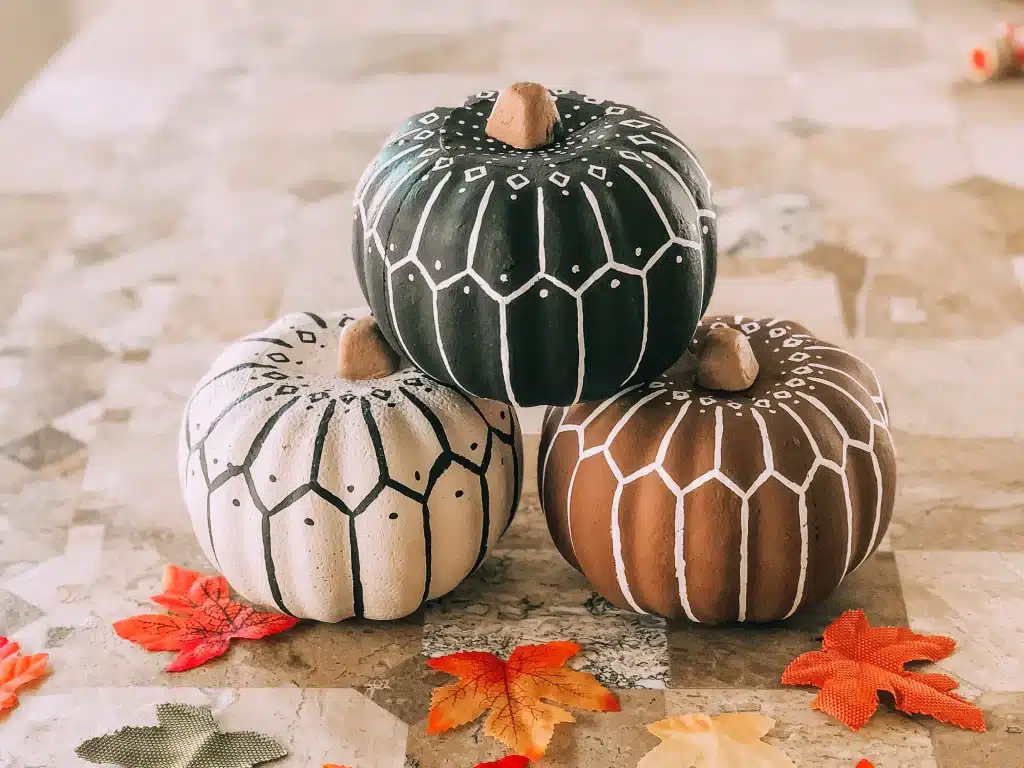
364	353
524	116
725	361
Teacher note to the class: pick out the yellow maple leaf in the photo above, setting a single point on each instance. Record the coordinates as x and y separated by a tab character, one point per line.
731	740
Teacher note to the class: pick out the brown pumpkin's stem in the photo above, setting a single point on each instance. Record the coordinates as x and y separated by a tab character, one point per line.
524	116
364	353
725	361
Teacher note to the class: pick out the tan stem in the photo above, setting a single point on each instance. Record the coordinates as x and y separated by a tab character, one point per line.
364	353
725	361
524	116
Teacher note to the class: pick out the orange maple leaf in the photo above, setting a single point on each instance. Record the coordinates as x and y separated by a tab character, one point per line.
513	691
858	660
865	763
17	670
509	761
204	622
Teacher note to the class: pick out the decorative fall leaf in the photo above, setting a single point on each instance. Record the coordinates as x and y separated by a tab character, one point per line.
731	740
204	622
513	691
332	765
865	764
186	737
509	761
17	670
858	660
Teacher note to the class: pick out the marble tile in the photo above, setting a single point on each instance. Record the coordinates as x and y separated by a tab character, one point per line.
849	49
870	14
710	48
808	737
44	447
754	656
1001	747
314	725
811	301
520	596
993	151
976	598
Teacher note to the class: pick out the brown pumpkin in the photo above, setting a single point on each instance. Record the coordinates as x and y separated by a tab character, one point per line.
688	499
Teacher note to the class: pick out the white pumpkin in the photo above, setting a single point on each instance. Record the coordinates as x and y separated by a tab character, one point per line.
327	497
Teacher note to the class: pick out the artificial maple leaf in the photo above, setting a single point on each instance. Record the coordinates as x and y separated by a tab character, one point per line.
17	670
185	737
509	761
204	623
858	660
731	740
865	764
514	691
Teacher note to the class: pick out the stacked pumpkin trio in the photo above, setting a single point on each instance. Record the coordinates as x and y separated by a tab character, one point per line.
537	248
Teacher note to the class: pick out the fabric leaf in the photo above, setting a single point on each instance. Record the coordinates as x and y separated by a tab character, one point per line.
509	761
17	671
858	660
203	622
186	737
865	764
514	692
731	740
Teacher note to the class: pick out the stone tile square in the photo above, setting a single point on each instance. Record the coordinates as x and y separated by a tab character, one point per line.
713	48
754	656
848	49
595	740
520	597
43	448
977	598
808	737
868	14
315	725
996	151
1001	747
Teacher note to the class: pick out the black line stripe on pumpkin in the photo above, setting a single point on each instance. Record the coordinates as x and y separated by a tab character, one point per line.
209	430
405	490
485	501
517	484
316	319
209	509
431	417
221	375
254	449
353	556
440	465
268	340
268	552
321	438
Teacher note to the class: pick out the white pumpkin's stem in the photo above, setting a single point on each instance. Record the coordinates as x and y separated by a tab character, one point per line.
364	353
725	361
524	116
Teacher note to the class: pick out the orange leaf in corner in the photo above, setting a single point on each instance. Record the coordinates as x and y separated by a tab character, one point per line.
514	692
206	623
17	670
509	761
858	660
865	763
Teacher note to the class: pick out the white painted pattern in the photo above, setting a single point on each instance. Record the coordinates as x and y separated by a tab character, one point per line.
519	183
845	387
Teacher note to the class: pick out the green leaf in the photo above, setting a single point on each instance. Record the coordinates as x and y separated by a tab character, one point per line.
187	737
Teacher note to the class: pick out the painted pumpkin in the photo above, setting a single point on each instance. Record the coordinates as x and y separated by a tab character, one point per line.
536	247
742	485
330	489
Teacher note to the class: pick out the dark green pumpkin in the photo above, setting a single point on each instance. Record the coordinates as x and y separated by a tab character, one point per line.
543	276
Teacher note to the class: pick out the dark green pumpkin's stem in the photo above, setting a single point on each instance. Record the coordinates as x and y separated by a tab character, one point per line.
364	353
524	116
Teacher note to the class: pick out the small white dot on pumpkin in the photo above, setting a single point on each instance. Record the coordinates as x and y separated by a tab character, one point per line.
462	189
391	246
513	197
568	116
776	349
503	278
608	184
465	289
551	165
412	278
520	167
490	141
811	387
401	141
437	264
576	107
565	192
601	136
679	259
543	293
616	283
702	410
478	114
648	165
771	411
575	269
704	229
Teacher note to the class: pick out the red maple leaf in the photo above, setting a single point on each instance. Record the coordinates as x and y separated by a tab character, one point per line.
858	660
509	761
865	763
204	622
17	670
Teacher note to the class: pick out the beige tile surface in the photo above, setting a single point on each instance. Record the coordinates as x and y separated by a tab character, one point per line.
181	173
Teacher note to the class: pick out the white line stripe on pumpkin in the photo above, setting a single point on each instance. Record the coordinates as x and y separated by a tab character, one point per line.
381	250
547	453
474	236
506	369
707	213
413	250
675	175
620	564
592	199
680	559
693	158
377	171
804	554
849	396
385	192
650	196
643	338
581	351
841	430
542	257
766	473
879	398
